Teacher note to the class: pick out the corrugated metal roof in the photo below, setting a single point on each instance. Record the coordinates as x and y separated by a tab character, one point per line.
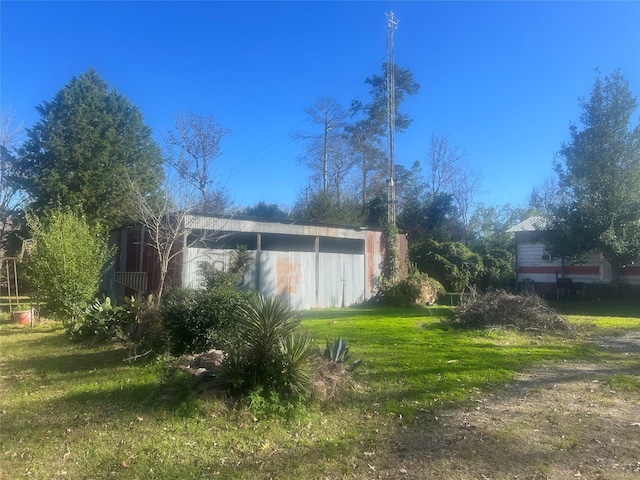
531	224
258	226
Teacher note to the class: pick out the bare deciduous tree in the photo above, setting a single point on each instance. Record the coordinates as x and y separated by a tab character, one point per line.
465	191
192	150
547	197
168	223
443	164
328	117
448	173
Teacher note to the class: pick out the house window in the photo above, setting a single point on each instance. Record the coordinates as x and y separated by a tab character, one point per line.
546	257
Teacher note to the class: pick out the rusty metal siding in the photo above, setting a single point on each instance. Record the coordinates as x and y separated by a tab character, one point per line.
242	225
341	280
290	275
310	266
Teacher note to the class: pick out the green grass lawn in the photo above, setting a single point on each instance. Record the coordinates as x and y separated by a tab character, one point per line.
73	411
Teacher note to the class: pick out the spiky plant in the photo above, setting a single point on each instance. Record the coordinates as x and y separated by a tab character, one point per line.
298	352
272	355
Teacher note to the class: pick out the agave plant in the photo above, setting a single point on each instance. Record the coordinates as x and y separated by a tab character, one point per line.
338	352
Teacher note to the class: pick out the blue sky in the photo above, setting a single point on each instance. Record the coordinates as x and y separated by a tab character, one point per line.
502	79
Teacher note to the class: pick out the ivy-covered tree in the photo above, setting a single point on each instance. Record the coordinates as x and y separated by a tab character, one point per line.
89	141
600	169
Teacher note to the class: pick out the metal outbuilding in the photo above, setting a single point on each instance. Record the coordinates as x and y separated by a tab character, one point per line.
311	265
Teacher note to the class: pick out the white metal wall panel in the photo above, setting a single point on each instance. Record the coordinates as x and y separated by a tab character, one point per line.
290	275
191	278
341	280
220	259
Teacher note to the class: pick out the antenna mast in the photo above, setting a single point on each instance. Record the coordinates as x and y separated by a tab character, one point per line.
392	25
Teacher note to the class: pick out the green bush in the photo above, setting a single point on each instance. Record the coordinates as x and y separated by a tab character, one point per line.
102	321
272	354
451	263
66	263
195	321
416	289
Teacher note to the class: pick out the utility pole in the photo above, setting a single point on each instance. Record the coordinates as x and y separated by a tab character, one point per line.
392	25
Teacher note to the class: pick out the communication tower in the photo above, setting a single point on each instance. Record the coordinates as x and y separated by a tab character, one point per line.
392	25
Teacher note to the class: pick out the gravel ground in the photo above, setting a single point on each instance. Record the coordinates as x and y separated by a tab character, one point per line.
562	421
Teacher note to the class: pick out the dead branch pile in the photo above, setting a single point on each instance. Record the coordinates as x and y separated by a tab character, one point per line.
505	310
331	379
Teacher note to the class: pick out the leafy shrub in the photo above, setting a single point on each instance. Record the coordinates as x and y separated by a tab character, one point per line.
134	320
451	263
199	320
272	355
195	321
66	263
102	321
505	310
214	278
416	289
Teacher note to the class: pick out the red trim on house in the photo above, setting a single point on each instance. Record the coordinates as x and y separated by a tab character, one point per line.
630	270
559	270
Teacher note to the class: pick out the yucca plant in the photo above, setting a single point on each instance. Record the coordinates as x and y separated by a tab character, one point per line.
298	351
272	355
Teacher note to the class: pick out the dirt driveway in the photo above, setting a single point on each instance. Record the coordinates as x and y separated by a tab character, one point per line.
567	421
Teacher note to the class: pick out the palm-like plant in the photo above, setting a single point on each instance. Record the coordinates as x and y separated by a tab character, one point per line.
272	354
298	351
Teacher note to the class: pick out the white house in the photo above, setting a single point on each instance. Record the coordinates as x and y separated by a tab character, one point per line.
536	267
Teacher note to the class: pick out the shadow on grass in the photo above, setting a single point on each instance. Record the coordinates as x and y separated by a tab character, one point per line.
364	312
84	361
625	309
9	329
95	399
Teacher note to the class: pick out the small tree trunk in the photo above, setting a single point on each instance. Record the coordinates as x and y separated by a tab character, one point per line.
615	275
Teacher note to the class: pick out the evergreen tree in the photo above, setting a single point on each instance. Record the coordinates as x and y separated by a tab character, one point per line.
600	169
89	142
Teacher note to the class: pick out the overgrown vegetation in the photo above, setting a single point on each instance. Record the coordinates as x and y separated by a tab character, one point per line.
67	260
79	412
416	289
496	308
198	320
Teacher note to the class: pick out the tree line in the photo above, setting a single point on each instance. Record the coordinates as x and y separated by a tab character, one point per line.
92	153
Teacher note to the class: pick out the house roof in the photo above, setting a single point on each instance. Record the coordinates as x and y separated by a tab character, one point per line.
531	224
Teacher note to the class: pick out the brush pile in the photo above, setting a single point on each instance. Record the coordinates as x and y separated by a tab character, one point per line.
502	309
